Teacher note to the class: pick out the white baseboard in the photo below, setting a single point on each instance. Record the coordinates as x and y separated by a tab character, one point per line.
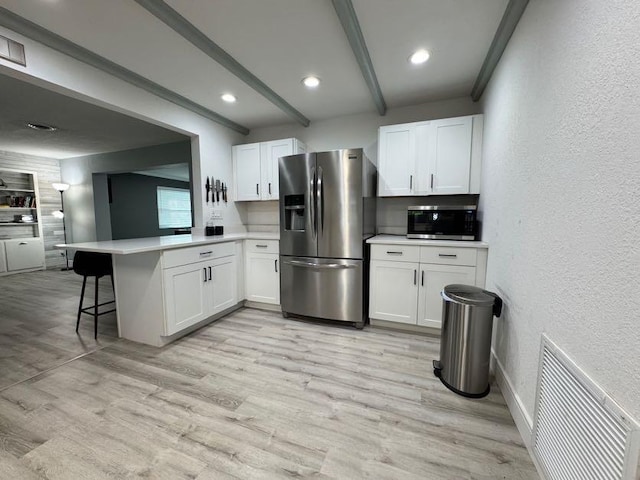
521	417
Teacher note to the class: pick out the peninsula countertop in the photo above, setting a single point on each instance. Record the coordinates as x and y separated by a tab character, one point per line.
151	244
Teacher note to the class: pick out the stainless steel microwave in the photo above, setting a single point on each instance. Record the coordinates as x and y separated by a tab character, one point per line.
442	222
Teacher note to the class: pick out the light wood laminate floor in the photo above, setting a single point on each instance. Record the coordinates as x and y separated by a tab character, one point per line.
254	396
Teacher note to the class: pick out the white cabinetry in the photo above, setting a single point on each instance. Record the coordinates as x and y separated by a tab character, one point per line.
255	168
406	281
438	157
198	282
262	277
23	249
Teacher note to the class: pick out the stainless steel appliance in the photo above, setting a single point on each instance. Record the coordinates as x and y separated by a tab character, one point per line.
327	211
442	222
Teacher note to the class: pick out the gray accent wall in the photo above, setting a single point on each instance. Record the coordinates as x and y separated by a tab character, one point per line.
85	220
134	206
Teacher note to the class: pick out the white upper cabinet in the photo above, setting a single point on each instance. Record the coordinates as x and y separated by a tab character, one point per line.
438	157
246	171
255	168
396	158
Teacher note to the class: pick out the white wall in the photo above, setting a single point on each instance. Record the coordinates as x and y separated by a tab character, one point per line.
353	131
560	201
211	143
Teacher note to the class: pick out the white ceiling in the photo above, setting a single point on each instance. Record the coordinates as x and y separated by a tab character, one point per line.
281	41
82	128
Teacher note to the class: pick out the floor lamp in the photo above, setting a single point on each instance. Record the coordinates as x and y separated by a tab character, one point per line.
62	187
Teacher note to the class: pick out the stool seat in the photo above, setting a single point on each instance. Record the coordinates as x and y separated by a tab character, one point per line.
97	265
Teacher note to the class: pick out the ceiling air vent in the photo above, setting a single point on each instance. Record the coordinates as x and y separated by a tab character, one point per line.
12	50
580	433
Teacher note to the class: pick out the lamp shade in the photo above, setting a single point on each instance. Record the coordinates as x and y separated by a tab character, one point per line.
61	187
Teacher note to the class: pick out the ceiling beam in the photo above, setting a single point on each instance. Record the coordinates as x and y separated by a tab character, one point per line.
508	24
347	15
183	27
39	34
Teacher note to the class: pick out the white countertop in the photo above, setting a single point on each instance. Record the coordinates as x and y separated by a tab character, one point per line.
402	240
152	244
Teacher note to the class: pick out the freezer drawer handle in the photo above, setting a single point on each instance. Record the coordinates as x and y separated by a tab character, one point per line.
394	253
448	255
298	263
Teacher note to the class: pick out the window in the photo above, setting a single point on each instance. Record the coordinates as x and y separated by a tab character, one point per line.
174	207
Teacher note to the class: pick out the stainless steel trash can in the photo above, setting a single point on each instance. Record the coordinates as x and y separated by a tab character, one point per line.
465	342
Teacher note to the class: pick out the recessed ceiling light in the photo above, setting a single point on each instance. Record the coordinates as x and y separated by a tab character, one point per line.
419	56
311	81
227	97
42	127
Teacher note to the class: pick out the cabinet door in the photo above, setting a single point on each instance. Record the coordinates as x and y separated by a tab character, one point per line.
223	293
270	152
185	296
433	278
24	253
246	171
396	160
450	157
424	140
3	259
393	291
262	278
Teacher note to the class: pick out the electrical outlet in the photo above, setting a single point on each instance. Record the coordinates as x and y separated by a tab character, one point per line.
216	215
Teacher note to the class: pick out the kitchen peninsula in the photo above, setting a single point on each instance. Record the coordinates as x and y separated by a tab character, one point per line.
166	287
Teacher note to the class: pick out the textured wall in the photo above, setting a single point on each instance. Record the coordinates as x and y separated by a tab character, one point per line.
48	170
561	169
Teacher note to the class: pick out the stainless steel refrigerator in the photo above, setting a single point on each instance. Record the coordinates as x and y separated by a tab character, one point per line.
327	211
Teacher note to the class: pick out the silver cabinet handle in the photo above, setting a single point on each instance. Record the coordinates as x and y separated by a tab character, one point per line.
209	273
432	181
262	246
298	263
202	254
422	280
415	277
448	255
410	182
257	192
394	253
23	243
205	273
276	265
269	188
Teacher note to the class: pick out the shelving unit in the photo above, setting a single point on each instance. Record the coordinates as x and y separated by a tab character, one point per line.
21	242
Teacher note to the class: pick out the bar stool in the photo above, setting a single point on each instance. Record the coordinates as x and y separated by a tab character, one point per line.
89	264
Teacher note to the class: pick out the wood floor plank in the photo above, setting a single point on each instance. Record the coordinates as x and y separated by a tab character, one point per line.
250	396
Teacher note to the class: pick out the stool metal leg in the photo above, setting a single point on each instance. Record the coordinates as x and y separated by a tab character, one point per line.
84	284
95	312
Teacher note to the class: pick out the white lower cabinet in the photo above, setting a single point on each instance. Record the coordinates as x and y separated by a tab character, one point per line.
393	291
433	278
198	290
405	282
24	254
262	277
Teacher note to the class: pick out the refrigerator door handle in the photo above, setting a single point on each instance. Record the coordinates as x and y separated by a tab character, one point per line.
312	202
334	266
320	201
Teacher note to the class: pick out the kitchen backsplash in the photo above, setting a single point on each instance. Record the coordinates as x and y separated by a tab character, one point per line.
391	212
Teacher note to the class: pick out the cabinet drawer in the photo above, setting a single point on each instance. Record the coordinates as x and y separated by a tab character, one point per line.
185	256
398	253
448	255
24	253
262	246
